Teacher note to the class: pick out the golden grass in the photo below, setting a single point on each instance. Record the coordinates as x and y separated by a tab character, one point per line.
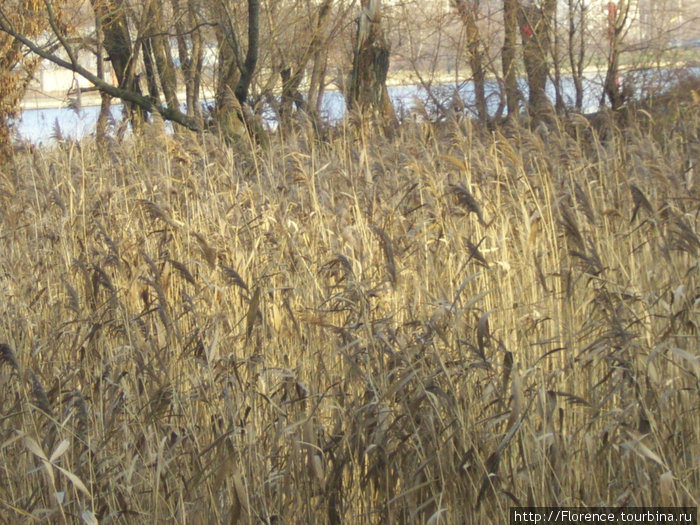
428	329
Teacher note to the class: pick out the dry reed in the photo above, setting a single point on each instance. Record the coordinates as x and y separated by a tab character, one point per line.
428	329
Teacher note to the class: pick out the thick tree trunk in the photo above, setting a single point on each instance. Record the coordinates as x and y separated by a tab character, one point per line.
535	29
235	73
317	82
251	59
368	92
117	43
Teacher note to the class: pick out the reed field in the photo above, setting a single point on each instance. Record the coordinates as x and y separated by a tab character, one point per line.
429	328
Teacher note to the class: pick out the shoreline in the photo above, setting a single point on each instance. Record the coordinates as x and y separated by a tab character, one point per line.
39	100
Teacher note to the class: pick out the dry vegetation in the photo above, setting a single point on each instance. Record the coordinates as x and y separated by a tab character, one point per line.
428	329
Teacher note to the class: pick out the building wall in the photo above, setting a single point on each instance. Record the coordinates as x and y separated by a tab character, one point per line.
59	80
51	78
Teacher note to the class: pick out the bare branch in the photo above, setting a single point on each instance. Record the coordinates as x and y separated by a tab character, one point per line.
126	95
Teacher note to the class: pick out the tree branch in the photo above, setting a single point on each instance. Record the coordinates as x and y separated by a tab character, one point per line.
126	95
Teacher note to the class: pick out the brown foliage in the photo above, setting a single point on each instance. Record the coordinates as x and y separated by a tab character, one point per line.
16	67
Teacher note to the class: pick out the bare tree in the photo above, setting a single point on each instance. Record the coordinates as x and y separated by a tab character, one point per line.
236	64
617	20
190	48
576	47
468	11
276	53
297	36
156	42
236	67
112	19
535	30
508	56
117	42
329	25
368	92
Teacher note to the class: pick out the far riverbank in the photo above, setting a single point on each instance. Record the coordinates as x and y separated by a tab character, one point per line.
36	99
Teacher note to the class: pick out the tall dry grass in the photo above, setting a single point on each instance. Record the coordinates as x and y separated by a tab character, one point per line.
428	329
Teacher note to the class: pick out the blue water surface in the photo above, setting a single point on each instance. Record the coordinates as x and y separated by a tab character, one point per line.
43	126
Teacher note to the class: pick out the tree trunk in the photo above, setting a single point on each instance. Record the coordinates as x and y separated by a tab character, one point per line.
320	59
577	48
292	75
510	74
617	18
16	67
190	56
535	28
235	73
162	58
556	59
290	91
468	12
149	67
368	92
251	59
317	82
117	43
105	99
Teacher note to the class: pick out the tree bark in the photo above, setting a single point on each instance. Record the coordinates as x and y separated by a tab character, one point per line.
293	74
190	55
117	43
467	11
162	58
617	18
577	48
368	92
105	99
235	73
251	58
510	74
535	29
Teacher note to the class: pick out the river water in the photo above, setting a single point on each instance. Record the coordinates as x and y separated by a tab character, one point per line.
42	126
